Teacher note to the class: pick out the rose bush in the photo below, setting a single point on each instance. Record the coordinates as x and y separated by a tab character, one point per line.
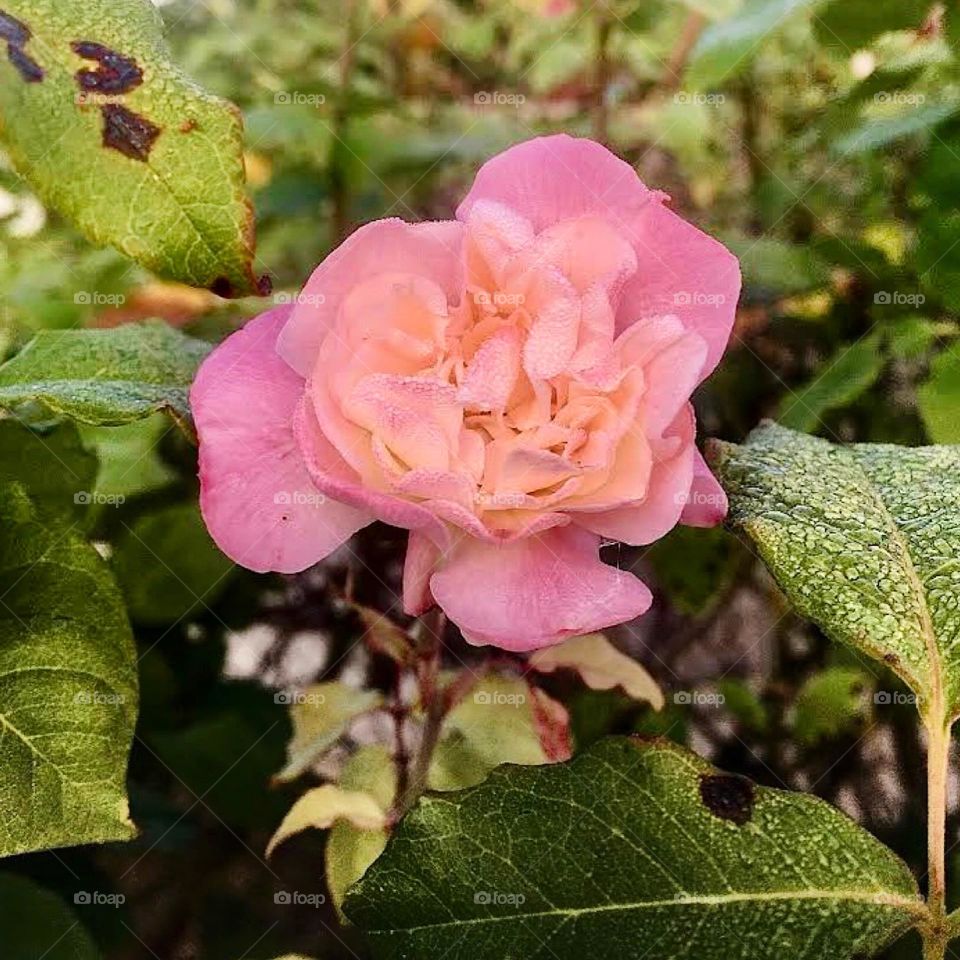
511	387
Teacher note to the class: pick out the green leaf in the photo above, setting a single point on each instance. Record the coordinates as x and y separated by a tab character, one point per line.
53	465
937	255
350	850
842	378
322	807
777	265
129	461
130	149
878	132
939	397
831	703
68	686
105	376
728	46
641	847
743	702
852	24
321	715
864	540
693	566
35	923
167	565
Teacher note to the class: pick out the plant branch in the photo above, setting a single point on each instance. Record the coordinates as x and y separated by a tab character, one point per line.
601	80
936	933
435	705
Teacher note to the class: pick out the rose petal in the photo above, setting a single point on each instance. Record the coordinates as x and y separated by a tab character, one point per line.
534	592
684	272
706	504
430	250
548	179
418	566
334	476
256	495
666	494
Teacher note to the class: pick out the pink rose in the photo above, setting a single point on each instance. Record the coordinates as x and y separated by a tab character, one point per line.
512	387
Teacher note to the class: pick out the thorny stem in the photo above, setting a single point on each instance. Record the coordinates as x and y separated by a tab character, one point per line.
935	936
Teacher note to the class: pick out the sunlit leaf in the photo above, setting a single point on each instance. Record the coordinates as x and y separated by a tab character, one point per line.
68	686
601	665
864	540
109	132
320	715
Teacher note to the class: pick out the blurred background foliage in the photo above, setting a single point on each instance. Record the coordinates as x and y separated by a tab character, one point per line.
819	139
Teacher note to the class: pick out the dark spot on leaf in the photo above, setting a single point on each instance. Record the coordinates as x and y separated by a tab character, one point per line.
16	33
115	73
27	67
728	797
222	287
265	286
13	30
128	132
891	658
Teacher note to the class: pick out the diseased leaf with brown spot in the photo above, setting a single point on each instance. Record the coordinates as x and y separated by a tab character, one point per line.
17	35
115	73
728	797
615	854
93	111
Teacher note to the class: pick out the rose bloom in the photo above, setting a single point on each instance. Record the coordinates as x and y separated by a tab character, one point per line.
512	387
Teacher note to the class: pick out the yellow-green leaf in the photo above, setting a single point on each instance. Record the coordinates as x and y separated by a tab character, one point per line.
601	665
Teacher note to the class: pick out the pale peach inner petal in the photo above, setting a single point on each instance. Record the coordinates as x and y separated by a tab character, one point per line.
516	401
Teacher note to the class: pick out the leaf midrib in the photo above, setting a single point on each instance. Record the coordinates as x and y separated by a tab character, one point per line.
913	905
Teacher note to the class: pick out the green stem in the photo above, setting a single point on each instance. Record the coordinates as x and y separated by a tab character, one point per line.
601	80
935	936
